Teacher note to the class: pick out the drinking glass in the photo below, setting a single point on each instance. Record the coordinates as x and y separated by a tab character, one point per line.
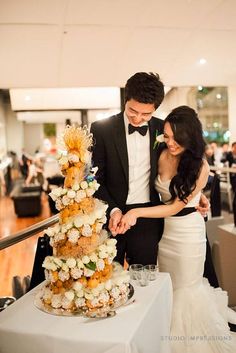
134	271
152	271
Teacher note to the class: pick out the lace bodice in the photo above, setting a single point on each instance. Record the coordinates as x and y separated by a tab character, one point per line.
163	188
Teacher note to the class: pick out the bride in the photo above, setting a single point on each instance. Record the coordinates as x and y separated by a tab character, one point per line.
200	313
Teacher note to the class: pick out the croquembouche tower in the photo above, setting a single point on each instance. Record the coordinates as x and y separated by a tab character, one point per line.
81	276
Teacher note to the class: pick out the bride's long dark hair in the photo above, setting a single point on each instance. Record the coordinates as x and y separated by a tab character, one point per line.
187	130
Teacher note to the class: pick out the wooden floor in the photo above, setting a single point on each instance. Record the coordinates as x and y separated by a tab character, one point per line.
17	259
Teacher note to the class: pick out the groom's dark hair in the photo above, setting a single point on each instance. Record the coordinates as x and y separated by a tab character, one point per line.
145	88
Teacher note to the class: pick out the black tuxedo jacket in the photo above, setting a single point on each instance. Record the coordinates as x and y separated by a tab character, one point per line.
111	158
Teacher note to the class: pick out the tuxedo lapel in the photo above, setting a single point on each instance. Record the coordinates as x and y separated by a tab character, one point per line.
153	151
120	142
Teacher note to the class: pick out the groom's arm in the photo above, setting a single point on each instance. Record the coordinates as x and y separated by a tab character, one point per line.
99	160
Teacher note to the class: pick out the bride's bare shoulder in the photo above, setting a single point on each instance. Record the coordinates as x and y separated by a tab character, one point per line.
205	166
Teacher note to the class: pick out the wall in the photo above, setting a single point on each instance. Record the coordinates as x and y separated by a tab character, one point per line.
14	131
3	146
175	97
33	137
232	112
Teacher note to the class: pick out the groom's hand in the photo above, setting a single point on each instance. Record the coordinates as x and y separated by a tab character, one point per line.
114	221
127	221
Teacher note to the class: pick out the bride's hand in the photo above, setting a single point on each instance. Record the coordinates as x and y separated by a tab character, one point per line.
204	205
127	221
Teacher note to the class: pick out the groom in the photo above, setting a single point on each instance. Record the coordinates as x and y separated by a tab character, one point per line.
127	166
126	157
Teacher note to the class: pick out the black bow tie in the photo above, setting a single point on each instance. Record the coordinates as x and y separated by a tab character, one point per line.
141	129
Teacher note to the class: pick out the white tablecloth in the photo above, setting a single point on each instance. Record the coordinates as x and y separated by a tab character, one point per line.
140	327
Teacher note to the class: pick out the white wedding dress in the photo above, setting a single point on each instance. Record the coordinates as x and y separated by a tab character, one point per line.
200	312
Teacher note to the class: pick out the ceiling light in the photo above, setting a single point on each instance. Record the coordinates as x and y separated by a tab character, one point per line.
218	96
200	88
202	61
27	98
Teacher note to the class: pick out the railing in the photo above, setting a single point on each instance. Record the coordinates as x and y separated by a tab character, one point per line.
28	232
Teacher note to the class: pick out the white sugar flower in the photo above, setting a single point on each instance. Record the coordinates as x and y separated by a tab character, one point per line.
100	264
80	263
56	192
95	292
47	294
77	286
115	292
80	302
58	237
71	262
103	247
80	293
110	249
110	259
65	267
76	273
49	231
64	191
64	228
88	272
78	221
86	230
73	235
93	257
63	276
58	261
65	200
94	185
69	225
49	265
70	295
85	259
102	255
104	297
95	302
88	296
66	303
76	186
71	194
59	205
111	242
56	301
81	194
84	185
90	192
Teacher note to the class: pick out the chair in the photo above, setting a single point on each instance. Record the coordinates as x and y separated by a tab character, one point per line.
27	200
212	191
225	185
224	259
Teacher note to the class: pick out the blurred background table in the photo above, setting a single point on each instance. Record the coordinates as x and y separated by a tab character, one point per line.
137	328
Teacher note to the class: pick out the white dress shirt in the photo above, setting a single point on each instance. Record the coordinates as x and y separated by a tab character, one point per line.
138	147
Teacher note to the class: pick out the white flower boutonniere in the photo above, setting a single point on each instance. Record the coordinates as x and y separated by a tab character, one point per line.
159	139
